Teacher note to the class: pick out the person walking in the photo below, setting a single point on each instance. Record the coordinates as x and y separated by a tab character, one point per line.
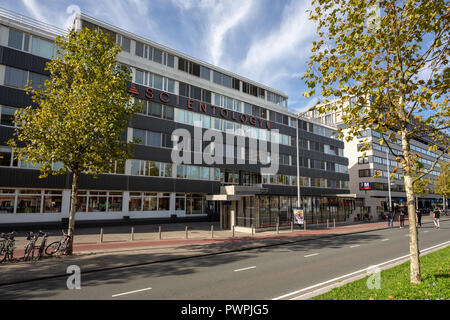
392	215
402	218
437	215
419	217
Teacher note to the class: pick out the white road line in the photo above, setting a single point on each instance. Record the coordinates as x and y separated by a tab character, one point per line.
356	272
130	292
248	268
311	255
426	231
355	246
385	240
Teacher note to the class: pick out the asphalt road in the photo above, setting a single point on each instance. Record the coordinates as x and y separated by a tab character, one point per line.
260	274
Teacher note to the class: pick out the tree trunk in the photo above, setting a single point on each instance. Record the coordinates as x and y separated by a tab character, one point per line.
413	235
73	207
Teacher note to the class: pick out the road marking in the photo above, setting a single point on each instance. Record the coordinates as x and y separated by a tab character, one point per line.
248	268
356	272
426	231
130	292
385	240
311	255
355	246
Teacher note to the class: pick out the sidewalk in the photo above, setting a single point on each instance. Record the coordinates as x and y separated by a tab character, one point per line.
118	251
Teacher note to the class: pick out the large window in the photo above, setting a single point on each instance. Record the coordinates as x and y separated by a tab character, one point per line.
25	42
194	92
20	78
153	54
7	115
99	201
124	42
153	80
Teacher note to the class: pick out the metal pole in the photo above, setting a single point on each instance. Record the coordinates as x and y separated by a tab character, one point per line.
159	230
253	230
334	221
186	230
292	226
304	224
233	231
101	234
389	181
278	227
212	231
298	169
327	223
132	233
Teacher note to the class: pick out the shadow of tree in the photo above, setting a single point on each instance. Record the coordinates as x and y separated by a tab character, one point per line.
179	261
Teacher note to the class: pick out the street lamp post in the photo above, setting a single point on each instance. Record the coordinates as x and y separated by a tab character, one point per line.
298	167
389	181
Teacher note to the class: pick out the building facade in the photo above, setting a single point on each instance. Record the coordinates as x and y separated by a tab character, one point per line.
178	92
372	193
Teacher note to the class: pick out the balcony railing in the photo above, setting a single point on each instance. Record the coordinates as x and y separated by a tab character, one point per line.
30	22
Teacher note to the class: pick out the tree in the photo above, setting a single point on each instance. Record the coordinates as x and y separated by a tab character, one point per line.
442	182
390	58
79	115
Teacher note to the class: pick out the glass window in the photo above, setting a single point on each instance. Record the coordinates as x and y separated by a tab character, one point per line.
163	203
205	73
157	82
170	60
135	203
52	203
157	55
153	139
168	113
115	201
150	202
139	51
140	77
155	109
139	134
37	80
42	48
5	156
7	116
7	200
29	201
126	44
15	77
15	39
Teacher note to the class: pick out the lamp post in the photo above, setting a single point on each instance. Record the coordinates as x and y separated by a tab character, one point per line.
298	166
389	180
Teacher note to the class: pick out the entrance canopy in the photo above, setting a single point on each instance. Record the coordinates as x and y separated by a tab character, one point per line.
228	193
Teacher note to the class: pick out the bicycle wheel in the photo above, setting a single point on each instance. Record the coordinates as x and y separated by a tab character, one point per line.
3	251
10	251
52	248
29	251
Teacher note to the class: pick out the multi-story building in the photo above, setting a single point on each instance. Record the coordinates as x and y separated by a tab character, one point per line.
178	92
372	193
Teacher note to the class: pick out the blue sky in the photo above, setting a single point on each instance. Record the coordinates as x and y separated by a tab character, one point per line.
264	40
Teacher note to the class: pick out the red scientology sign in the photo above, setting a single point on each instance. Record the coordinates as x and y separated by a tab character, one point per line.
197	106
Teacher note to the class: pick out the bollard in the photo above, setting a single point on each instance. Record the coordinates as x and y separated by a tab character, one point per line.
101	235
278	227
253	230
292	226
132	233
327	223
212	231
160	237
334	222
233	232
304	225
186	229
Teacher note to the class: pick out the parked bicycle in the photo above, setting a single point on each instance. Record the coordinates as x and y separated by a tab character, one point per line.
31	247
58	246
7	246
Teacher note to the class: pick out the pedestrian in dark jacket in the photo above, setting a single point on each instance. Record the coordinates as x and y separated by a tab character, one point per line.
419	217
402	218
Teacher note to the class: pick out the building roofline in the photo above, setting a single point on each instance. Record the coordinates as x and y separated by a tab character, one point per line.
177	53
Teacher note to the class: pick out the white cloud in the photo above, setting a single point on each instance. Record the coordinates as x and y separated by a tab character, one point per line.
271	57
221	17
